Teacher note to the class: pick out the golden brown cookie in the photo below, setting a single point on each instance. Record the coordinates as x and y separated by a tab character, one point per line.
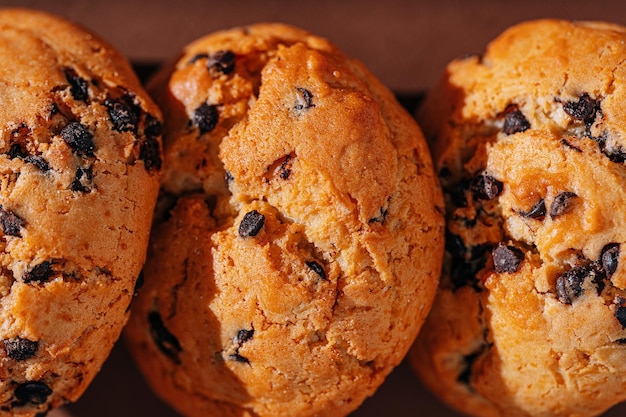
299	234
79	163
529	141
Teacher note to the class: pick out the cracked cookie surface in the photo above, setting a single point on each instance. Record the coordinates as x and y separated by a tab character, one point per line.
299	233
529	143
77	193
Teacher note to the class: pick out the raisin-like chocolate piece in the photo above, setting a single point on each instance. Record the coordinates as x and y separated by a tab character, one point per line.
486	187
82	180
222	61
507	258
236	357
39	273
166	342
228	177
79	138
122	115
32	392
317	268
562	203
153	126
20	349
584	109
609	258
206	118
150	153
38	161
11	223
620	315
538	211
305	99
569	285
514	120
243	336
251	224
78	86
16	151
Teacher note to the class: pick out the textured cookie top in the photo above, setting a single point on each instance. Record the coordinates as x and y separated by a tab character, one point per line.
79	164
303	247
530	142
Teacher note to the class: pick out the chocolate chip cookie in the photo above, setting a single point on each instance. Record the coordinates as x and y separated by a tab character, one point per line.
80	157
529	141
298	238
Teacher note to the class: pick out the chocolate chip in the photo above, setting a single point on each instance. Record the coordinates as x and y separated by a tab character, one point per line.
228	177
153	126
562	203
243	336
609	258
165	341
284	170
150	153
317	268
583	109
222	61
11	223
486	187
38	161
238	358
569	285
251	224
82	180
32	392
78	86
305	99
380	218
39	273
139	283
566	143
538	211
514	120
122	115
206	118
16	151
458	195
20	349
506	258
620	315
78	137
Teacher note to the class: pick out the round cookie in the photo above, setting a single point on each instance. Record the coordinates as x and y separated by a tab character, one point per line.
298	239
80	159
529	141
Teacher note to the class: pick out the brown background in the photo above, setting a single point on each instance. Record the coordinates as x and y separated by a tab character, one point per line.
405	43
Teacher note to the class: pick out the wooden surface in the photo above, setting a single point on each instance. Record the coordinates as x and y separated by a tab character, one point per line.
405	43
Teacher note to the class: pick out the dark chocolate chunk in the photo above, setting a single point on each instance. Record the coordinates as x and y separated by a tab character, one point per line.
506	258
150	153
38	161
284	169
11	223
251	224
620	315
139	283
32	392
538	211
20	349
78	86
305	99
238	358
380	218
79	138
486	187
569	285
39	273
243	336
514	120
165	341
317	268
583	109
222	61
566	143
16	151
562	203
122	116
206	118
152	127
609	258
458	195
82	180
228	177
